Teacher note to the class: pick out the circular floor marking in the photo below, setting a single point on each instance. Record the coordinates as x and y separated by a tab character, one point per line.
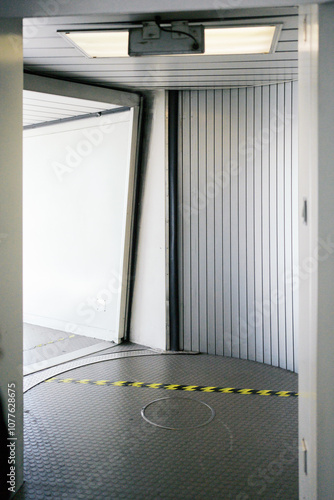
177	414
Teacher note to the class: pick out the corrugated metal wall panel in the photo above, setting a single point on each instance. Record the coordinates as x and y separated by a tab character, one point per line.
238	222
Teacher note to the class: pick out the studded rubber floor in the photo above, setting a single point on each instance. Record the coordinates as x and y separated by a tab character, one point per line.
85	441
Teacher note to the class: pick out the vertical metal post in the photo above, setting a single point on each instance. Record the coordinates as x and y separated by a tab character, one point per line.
173	121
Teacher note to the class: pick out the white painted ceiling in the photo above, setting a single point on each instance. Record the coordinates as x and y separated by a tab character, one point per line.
48	53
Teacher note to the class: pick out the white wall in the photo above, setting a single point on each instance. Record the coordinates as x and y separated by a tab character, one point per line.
316	174
148	321
11	83
308	233
325	350
75	189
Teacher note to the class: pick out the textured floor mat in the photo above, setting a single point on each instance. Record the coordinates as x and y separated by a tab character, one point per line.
86	441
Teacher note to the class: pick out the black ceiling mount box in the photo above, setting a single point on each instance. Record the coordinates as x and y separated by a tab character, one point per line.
173	40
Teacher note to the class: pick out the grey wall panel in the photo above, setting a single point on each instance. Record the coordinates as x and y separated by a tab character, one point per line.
234	221
280	228
194	222
242	223
228	172
238	223
295	222
265	224
211	267
272	306
203	222
258	210
216	185
249	316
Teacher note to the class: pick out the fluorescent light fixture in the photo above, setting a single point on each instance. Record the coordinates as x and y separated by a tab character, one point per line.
100	43
239	40
218	41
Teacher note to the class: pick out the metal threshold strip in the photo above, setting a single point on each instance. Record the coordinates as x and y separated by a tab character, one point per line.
63	358
34	379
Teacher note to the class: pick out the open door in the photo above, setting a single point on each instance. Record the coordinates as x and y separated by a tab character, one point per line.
79	170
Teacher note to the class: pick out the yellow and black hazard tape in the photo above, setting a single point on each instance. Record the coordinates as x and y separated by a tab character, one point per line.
51	342
176	387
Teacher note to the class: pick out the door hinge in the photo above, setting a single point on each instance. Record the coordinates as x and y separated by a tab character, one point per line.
304	447
304	214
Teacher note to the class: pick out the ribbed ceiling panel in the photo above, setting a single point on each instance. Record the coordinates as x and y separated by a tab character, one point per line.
39	108
47	52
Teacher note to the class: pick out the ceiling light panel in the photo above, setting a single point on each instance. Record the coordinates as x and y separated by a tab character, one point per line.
218	41
240	40
100	43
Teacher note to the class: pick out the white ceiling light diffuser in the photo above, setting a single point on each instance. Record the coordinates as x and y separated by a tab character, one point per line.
239	40
100	43
218	41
